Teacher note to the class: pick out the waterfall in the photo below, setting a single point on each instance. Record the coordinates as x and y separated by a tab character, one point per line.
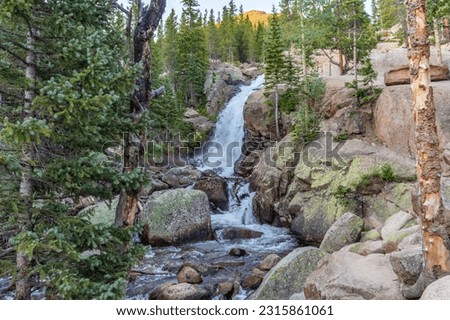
224	148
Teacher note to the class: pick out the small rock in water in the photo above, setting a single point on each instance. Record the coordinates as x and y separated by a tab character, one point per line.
269	262
155	294
237	252
184	291
189	275
232	233
228	289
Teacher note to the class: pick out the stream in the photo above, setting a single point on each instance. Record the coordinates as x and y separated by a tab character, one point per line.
212	257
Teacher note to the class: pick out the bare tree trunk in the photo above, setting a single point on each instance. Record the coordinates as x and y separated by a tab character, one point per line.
302	25
23	263
429	207
446	29
437	39
277	124
341	62
355	54
148	20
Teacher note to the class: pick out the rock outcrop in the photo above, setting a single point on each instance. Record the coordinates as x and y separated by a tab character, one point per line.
198	122
175	216
179	177
215	188
401	75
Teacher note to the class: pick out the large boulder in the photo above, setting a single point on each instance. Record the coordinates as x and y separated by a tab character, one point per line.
394	223
289	275
176	216
187	274
402	75
346	230
346	275
256	113
198	122
394	122
216	189
181	176
407	264
438	290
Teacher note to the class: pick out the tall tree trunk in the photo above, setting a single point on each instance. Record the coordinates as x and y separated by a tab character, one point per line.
429	206
277	122
355	54
437	39
23	263
148	20
302	25
446	29
341	62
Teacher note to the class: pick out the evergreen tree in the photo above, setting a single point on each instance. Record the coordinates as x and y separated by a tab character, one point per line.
212	37
275	63
257	44
170	46
73	91
192	58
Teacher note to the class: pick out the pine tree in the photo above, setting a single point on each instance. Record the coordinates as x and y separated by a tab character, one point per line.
192	58
170	46
59	103
257	43
212	37
275	64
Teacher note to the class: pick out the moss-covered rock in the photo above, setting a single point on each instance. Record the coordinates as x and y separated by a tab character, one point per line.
103	212
346	230
176	216
289	275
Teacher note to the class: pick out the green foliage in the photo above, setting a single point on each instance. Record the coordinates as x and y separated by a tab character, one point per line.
76	259
307	125
81	105
341	137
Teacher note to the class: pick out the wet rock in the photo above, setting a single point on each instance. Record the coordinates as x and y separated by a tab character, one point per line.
269	262
156	293
254	280
232	233
438	290
289	275
401	75
395	223
346	230
184	291
228	289
237	252
407	264
181	176
175	217
346	275
216	189
188	274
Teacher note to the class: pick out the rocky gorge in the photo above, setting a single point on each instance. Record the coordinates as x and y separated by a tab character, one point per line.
330	220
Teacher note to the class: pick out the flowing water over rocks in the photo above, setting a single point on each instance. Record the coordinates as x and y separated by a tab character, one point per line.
212	258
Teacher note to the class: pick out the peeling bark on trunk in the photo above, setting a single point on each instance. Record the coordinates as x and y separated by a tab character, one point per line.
148	20
437	39
430	209
23	263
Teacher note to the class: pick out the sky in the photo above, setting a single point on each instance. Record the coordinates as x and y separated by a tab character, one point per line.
264	5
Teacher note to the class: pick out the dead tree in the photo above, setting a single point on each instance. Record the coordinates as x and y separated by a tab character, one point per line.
149	17
428	205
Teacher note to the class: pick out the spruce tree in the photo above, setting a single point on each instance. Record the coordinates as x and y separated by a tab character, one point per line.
59	102
192	58
275	64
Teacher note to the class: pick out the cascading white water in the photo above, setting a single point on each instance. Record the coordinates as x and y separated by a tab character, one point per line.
224	149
